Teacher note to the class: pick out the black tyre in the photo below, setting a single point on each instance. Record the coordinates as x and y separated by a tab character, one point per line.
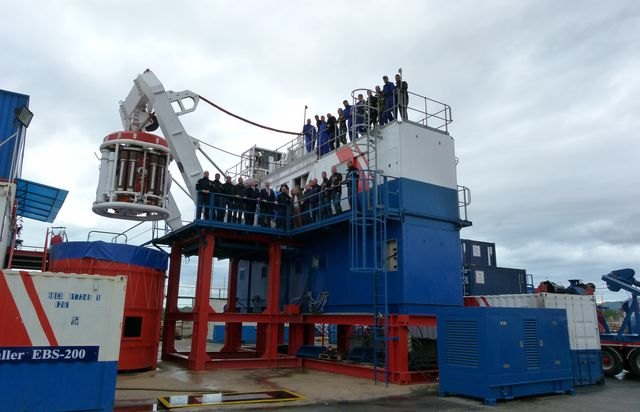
633	359
612	361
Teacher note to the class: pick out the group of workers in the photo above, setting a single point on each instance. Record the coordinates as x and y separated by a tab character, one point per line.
317	200
380	107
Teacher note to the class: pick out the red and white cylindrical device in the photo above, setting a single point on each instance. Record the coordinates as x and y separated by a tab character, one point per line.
134	177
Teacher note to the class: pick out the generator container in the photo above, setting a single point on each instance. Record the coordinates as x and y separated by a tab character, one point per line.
582	321
503	353
60	340
145	269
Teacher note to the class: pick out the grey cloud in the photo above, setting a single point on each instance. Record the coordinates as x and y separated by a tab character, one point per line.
544	97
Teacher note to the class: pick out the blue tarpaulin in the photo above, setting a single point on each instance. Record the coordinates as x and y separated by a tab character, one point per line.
112	252
37	201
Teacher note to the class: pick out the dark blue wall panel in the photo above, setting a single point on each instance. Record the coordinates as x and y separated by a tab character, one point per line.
430	264
424	199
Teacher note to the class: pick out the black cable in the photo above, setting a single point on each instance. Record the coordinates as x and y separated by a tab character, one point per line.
217	148
246	120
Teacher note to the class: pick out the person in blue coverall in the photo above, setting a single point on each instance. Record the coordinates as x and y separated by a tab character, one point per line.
387	91
323	137
309	132
347	115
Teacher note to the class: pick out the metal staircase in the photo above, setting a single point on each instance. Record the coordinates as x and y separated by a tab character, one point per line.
369	234
28	259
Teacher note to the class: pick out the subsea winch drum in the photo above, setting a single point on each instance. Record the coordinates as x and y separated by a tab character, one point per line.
134	177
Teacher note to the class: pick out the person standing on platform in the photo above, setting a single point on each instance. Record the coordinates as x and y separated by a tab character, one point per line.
284	206
218	199
402	97
335	183
240	193
305	204
323	138
267	204
203	186
250	203
372	107
361	111
227	193
342	129
295	200
388	92
310	135
380	100
331	129
227	197
352	181
347	113
314	200
325	197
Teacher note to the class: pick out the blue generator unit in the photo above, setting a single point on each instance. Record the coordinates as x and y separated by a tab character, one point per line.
503	353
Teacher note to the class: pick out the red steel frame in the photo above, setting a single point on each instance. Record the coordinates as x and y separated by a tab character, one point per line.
271	322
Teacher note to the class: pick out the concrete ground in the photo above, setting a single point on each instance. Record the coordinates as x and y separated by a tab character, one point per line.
137	389
316	387
138	392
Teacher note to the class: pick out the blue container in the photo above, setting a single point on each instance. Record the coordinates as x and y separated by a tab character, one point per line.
79	386
488	280
475	252
10	151
503	353
60	340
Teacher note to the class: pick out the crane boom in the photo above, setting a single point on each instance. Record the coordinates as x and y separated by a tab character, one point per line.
134	177
148	97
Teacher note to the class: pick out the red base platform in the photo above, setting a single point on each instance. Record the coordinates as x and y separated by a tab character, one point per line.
271	322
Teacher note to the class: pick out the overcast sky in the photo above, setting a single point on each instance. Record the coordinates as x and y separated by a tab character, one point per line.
545	98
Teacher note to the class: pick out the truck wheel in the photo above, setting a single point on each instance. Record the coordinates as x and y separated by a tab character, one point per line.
612	362
633	358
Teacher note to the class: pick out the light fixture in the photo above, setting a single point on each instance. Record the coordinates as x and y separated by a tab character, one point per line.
24	115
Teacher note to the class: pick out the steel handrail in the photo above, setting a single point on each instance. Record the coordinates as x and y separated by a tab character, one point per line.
113	240
430	113
215	207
